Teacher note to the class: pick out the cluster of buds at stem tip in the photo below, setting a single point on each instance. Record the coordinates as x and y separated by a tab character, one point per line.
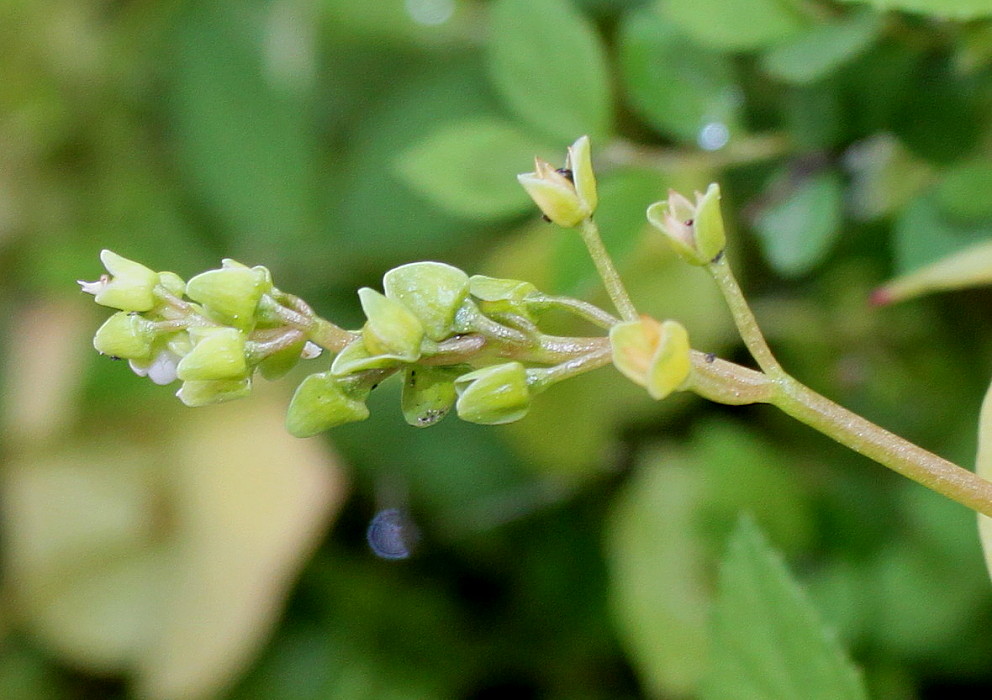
567	196
212	332
695	230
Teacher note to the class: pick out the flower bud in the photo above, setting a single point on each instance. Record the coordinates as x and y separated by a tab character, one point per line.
566	196
323	401
125	335
391	329
218	353
695	230
279	363
231	294
497	295
130	286
160	367
654	355
172	283
355	357
493	395
428	394
433	291
196	393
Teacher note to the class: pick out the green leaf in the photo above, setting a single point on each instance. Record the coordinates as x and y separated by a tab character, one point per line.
469	167
768	642
922	235
950	9
737	25
963	193
818	52
797	231
674	84
549	66
243	123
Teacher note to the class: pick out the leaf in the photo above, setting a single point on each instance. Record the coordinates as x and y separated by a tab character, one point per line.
673	83
549	66
963	193
968	267
950	9
243	126
797	231
469	167
739	25
768	642
818	52
922	235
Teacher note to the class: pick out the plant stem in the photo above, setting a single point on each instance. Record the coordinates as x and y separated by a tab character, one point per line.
888	449
582	309
607	271
744	319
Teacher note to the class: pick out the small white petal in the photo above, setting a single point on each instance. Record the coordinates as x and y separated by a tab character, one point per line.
94	288
163	368
311	350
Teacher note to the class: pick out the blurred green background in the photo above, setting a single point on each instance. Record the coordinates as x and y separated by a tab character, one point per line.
153	551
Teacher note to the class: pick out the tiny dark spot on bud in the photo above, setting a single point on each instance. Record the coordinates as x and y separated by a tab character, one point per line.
547	219
710	357
717	257
114	357
690	222
374	386
567	172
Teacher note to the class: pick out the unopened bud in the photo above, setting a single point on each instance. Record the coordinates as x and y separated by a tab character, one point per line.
126	335
392	329
231	294
566	196
196	393
130	286
428	394
218	353
695	230
323	401
493	395
433	291
654	355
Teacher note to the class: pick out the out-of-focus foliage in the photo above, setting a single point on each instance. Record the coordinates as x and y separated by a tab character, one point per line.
155	551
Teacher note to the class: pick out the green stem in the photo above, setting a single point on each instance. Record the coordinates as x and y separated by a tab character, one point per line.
607	271
888	449
744	319
582	309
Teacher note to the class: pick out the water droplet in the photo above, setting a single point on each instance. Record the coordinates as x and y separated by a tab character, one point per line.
392	534
713	136
430	12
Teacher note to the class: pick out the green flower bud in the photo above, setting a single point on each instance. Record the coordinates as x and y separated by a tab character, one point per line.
493	395
195	393
433	291
392	329
695	230
566	196
130	287
654	355
125	335
282	361
231	294
172	283
218	353
428	394
497	295
323	401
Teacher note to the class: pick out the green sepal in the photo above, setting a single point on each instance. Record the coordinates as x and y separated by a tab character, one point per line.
711	238
131	286
127	335
499	296
433	291
493	395
323	401
218	353
355	357
231	294
279	363
671	364
428	394
172	283
392	329
196	393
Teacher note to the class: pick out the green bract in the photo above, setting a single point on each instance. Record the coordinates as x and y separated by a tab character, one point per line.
125	335
493	395
323	401
433	291
392	329
131	285
230	294
218	353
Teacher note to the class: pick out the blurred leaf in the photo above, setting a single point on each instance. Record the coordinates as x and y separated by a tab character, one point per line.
549	65
658	575
950	9
676	85
797	231
469	167
963	192
768	642
739	25
922	235
968	267
819	51
885	176
244	123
